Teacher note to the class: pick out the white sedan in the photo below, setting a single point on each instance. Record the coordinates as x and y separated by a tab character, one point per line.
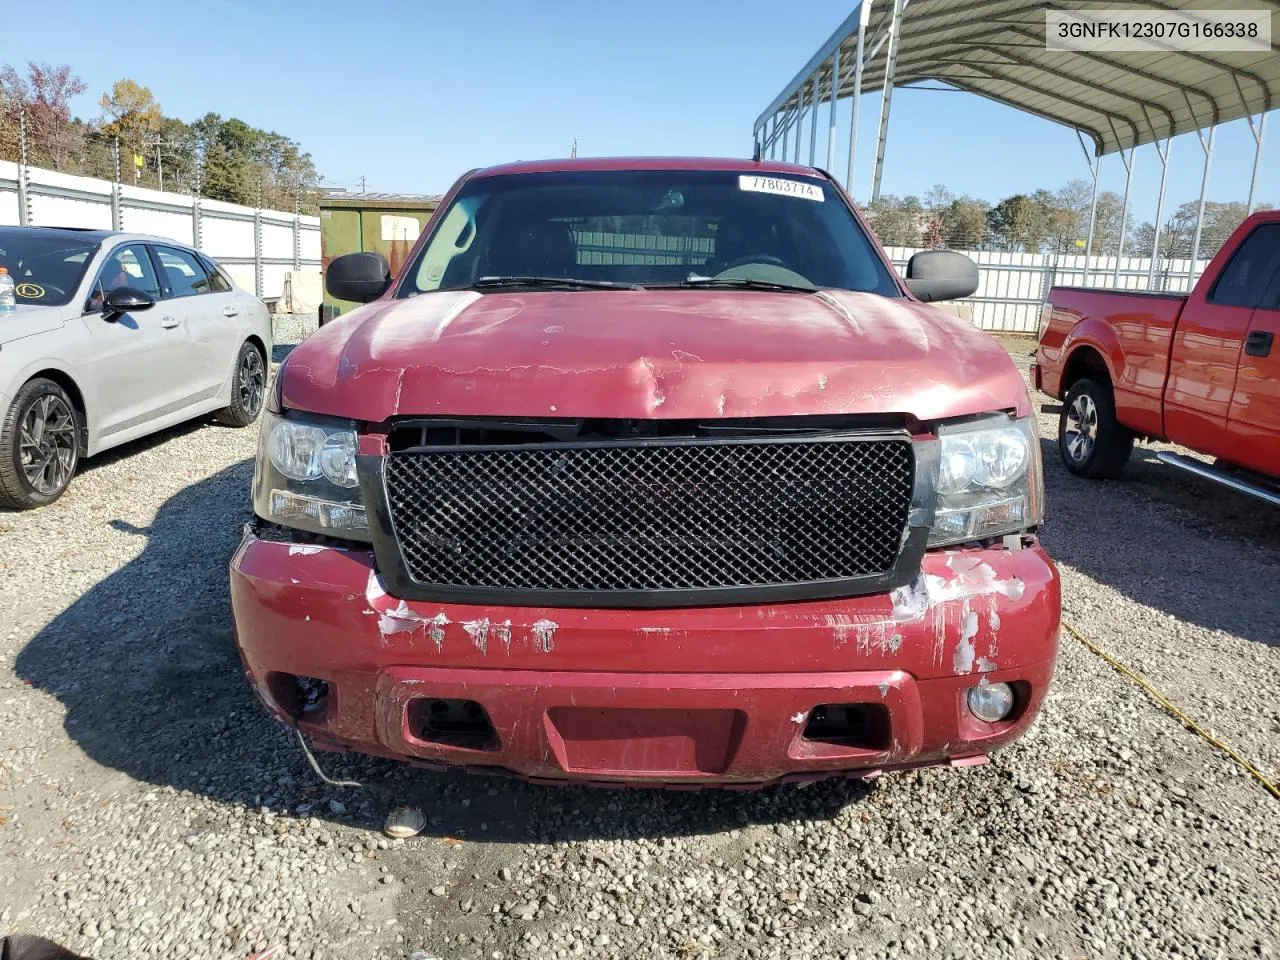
115	336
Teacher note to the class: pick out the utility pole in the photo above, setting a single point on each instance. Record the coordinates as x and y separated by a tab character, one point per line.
574	152
159	144
362	184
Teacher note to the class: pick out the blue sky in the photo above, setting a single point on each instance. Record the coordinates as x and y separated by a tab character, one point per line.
412	93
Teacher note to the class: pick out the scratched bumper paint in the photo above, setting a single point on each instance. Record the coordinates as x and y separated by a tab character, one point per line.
707	695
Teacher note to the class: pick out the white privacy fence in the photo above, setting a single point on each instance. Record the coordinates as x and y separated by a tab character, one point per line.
259	248
1012	286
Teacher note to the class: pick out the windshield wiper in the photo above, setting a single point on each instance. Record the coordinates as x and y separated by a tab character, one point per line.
740	283
490	283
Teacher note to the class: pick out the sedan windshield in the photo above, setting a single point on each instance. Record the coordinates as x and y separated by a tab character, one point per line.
576	230
46	267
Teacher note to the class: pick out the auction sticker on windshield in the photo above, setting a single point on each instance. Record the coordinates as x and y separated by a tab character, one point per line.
785	188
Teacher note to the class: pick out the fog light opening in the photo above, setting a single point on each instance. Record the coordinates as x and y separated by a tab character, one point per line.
454	723
991	702
305	699
859	726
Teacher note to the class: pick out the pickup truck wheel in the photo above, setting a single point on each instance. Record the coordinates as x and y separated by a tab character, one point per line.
248	387
1091	440
39	450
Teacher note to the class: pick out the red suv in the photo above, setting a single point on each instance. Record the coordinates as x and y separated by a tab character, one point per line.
650	471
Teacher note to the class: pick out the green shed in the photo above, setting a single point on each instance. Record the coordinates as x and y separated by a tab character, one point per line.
386	223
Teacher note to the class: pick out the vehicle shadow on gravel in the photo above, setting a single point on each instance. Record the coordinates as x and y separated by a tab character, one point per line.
1214	565
144	664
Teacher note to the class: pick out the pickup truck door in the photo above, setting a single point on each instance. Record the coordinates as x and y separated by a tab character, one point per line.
1254	423
1208	346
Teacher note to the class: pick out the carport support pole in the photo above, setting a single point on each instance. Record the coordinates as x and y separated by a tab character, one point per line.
831	127
864	16
795	159
1124	211
1207	146
1164	176
813	118
890	67
1095	168
1259	133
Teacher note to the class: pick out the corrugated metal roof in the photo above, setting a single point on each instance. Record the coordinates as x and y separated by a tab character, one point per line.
996	48
405	197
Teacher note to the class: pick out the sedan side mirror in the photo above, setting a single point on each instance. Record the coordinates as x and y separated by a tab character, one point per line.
360	277
941	275
125	300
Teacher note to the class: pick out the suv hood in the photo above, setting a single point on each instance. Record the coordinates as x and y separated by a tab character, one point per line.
650	354
29	319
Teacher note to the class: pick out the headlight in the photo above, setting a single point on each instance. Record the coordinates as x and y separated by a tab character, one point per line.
989	480
306	476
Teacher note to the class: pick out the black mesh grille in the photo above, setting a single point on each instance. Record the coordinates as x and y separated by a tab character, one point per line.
659	516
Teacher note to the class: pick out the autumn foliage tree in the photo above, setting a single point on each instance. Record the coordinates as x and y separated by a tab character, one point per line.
44	95
131	115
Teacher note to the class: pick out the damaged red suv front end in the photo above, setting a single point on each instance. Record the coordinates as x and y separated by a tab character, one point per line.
583	515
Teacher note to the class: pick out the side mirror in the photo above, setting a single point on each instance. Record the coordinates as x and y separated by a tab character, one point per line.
360	277
125	300
941	275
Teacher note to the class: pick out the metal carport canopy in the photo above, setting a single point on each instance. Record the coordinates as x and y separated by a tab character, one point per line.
996	49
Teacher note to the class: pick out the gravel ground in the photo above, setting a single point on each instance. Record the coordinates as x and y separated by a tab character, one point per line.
149	808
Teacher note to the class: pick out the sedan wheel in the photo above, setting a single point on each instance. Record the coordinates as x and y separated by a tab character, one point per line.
39	446
251	381
248	387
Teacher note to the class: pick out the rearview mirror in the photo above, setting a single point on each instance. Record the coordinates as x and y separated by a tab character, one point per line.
941	275
126	300
360	277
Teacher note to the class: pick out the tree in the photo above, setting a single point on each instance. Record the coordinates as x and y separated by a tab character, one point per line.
965	223
897	222
1018	222
1067	216
937	198
1106	231
131	113
45	94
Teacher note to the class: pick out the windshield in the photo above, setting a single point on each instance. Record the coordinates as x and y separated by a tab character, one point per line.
46	267
652	228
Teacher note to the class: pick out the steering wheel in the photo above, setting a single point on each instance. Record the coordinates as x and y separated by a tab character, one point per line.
755	258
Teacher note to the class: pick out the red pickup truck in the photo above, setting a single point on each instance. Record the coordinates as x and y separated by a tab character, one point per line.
1201	371
649	471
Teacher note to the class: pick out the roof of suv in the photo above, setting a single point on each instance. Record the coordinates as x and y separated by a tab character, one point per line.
649	163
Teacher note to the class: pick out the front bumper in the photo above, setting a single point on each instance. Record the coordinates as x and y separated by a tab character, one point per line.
682	696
